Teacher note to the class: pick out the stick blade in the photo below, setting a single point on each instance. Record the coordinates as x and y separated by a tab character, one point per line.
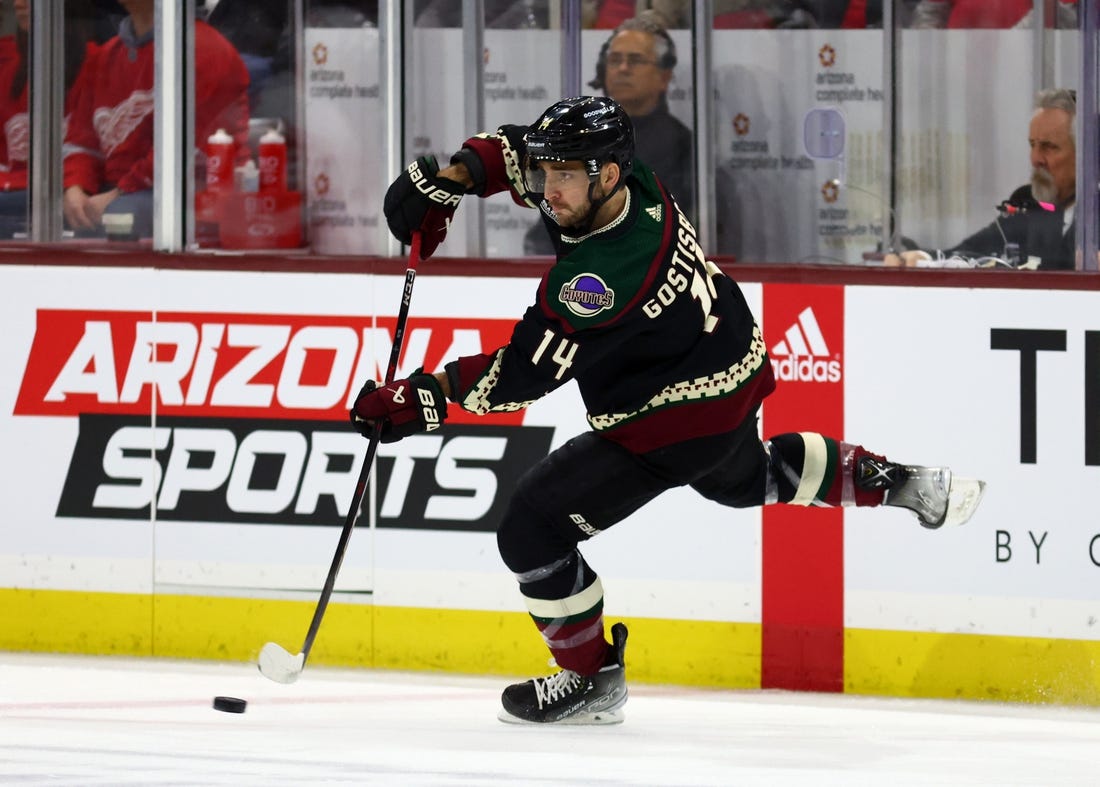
276	663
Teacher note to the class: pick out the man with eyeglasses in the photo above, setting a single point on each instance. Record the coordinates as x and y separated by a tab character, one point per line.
668	359
634	69
1037	225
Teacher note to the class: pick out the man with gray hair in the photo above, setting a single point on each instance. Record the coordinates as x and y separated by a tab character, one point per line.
1036	228
634	68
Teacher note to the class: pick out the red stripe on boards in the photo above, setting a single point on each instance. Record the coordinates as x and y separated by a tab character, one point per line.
803	548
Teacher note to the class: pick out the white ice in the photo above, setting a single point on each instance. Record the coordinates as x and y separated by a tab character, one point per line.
68	720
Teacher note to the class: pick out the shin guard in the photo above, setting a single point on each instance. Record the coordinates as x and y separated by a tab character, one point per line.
571	625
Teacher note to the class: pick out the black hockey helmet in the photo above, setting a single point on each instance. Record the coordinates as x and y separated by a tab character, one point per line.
591	129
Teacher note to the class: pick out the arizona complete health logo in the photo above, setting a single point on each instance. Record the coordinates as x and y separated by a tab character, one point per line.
803	353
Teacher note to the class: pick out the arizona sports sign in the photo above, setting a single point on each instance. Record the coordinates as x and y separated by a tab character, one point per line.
243	418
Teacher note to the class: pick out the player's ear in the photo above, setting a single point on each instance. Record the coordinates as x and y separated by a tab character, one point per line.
609	175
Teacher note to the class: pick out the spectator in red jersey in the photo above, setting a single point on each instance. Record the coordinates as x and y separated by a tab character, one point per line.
861	14
609	14
990	13
108	166
794	14
764	14
858	14
14	117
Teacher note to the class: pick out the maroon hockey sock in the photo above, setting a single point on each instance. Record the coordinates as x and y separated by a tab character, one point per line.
858	477
578	645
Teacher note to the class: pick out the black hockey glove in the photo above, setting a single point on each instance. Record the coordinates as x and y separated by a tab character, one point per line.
403	407
420	200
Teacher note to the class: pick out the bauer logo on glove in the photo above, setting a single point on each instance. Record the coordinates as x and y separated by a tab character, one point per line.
444	196
402	408
419	200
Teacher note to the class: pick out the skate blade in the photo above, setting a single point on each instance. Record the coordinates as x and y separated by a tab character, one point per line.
963	501
589	719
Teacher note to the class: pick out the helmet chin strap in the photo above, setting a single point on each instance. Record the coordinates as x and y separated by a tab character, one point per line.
583	227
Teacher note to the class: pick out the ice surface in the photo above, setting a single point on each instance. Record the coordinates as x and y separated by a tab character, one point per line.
69	720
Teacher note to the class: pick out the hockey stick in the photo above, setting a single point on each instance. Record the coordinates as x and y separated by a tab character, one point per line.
276	662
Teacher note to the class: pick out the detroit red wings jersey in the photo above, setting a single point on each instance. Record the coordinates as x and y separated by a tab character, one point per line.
661	343
14	121
15	126
109	141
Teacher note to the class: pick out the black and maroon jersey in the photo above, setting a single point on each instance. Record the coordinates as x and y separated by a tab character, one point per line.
661	343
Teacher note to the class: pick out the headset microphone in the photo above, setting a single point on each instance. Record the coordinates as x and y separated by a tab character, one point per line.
1010	207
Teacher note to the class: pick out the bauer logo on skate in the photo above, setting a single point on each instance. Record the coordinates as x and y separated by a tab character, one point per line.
235	365
803	354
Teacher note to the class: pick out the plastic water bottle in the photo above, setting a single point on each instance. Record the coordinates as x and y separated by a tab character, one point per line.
272	161
220	152
247	177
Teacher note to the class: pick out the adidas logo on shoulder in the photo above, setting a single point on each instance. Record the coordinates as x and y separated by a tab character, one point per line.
802	355
654	212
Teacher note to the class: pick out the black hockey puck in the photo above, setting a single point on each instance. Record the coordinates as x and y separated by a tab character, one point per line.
230	704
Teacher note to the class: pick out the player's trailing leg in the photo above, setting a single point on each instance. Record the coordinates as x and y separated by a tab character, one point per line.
568	697
807	468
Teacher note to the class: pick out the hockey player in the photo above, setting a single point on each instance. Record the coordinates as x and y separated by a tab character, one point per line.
668	359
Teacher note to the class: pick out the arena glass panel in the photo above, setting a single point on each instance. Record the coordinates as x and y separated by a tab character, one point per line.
472	73
800	168
344	110
107	167
969	78
43	83
250	193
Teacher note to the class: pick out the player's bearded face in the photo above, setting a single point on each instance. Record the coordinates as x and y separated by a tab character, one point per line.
566	190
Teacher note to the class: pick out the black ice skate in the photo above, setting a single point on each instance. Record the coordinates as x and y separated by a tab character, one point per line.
937	497
570	698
